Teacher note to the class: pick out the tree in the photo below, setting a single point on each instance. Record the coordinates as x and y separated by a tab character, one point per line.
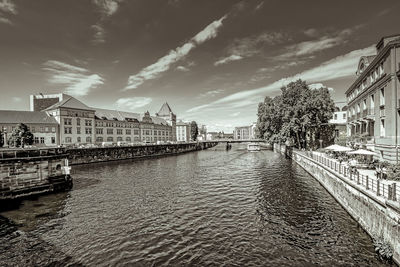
20	136
194	130
299	115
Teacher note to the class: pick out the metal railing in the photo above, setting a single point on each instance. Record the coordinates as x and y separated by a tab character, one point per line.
375	185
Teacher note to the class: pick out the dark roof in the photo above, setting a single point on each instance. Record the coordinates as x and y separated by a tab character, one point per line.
110	114
15	116
70	102
165	110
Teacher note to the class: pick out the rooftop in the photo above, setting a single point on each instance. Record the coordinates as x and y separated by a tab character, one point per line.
15	116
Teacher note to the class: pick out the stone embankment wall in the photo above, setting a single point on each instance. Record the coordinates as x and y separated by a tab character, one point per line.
28	175
378	216
103	154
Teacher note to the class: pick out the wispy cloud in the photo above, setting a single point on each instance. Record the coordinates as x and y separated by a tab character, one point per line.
182	68
228	59
107	7
132	103
315	86
211	93
163	64
259	6
99	33
311	47
250	46
7	7
78	81
339	67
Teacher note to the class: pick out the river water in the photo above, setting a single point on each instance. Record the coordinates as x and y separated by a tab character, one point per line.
207	208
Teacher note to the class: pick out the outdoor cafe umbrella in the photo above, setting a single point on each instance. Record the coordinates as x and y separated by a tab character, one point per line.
362	152
338	148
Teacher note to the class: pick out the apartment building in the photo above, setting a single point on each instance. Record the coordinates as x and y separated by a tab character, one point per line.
183	131
373	101
245	132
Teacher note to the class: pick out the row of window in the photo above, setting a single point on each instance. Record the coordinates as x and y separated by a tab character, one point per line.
373	76
99	139
41	140
68	121
363	105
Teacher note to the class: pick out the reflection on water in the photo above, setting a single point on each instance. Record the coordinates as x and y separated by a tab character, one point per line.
212	207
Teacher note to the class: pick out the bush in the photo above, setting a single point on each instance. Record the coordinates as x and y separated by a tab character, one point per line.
384	249
393	172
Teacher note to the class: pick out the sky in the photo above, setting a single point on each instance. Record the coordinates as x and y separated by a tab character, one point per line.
212	61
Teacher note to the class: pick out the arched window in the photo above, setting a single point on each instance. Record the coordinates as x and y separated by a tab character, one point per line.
88	139
128	139
110	139
99	139
119	138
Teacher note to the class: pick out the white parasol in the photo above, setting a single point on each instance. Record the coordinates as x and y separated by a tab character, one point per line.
339	148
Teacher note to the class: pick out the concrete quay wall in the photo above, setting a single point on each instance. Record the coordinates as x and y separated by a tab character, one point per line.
378	216
104	154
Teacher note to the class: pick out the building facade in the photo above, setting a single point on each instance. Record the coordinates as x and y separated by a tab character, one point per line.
167	114
183	131
339	120
44	128
373	101
80	124
245	132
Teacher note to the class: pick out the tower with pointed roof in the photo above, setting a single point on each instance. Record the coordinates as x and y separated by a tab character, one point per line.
167	114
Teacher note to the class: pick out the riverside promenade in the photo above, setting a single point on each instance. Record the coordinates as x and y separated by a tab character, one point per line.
373	203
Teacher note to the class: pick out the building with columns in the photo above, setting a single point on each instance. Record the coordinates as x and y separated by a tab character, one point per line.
373	101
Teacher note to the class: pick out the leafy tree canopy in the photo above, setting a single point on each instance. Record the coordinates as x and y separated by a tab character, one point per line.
20	136
194	130
299	115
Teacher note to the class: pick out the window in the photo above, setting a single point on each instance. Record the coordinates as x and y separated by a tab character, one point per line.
41	129
110	131
119	131
344	115
46	129
147	132
78	130
36	140
78	139
53	140
335	116
99	139
67	121
372	101
88	122
127	131
381	69
33	129
99	130
88	130
78	121
383	128
68	139
119	138
364	104
53	129
42	140
382	97
136	132
68	130
128	139
110	139
88	139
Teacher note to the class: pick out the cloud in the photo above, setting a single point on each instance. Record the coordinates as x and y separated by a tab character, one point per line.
77	81
260	5
182	68
228	59
250	46
235	114
99	34
107	7
211	93
132	103
163	64
315	86
307	48
338	67
7	6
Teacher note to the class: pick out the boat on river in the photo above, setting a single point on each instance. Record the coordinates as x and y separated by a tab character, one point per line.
253	147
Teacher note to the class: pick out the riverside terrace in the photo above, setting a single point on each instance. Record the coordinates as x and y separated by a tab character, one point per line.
366	179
